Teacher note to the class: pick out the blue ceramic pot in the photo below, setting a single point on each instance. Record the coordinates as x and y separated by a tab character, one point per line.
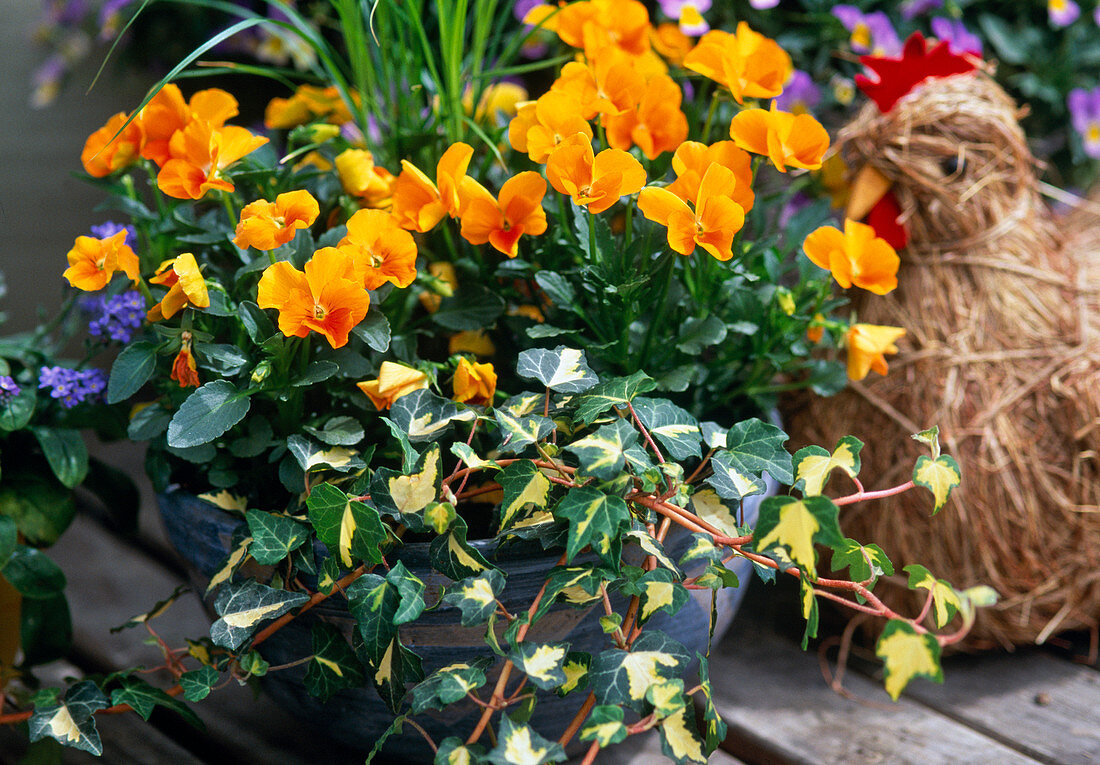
202	534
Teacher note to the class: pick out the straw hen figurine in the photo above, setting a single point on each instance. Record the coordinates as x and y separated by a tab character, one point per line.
1002	352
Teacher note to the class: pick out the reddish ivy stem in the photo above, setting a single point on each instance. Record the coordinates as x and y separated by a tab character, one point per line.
590	755
862	495
645	433
578	719
315	599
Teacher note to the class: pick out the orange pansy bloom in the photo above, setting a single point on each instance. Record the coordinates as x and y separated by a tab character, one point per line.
443	272
539	127
167	113
267	225
711	225
668	40
501	222
474	341
596	24
868	345
748	64
328	298
394	381
184	370
381	250
185	284
92	262
308	103
360	177
104	152
474	383
610	84
597	181
655	125
692	159
199	153
854	256
419	204
789	140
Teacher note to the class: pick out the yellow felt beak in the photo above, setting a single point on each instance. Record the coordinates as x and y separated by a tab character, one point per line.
867	189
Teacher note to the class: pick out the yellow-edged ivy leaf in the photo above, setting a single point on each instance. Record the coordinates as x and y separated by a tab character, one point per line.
865	563
809	611
198	683
227	501
713	509
352	530
453	556
143	697
660	590
939	476
411	591
651	547
812	465
666	698
328	575
333	665
973	598
438	516
274	536
907	654
702	548
519	744
945	600
312	456
564	370
715	727
594	519
406	495
476	596
391	674
931	438
680	741
469	457
243	606
714	435
71	721
729	482
517	433
624	677
230	565
604	724
576	672
617	392
153	612
449	684
674	428
424	416
754	446
523	404
795	525
524	487
543	662
600	454
453	751
572	585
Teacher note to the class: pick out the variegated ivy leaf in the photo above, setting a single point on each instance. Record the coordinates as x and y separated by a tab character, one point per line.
438	516
71	721
651	546
424	416
809	611
563	369
226	501
931	437
600	454
198	683
617	392
702	549
795	525
411	589
350	529
939	476
729	481
154	612
714	435
453	556
623	677
524	404
449	684
594	519
715	727
755	446
143	697
666	698
674	428
328	575
576	672
605	725
517	433
313	456
405	496
453	751
864	562
392	672
274	536
680	741
242	606
573	585
476	596
945	600
338	431
525	488
333	665
907	654
659	591
812	464
543	662
469	457
230	565
973	598
519	744
713	509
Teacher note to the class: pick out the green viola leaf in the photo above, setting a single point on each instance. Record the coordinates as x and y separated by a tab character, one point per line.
666	698
350	529
338	431
424	416
333	666
715	727
517	433
313	456
907	654
594	519
198	683
542	662
519	744
159	608
564	370
207	413
755	446
143	697
45	629
624	677
230	565
945	600
576	672
476	308
651	547
617	392
812	464
676	430
241	608
9	538
453	751
604	724
573	585
71	722
374	330
795	525
601	453
680	740
222	359
32	573
454	557
274	536
41	507
447	685
939	476
148	423
65	452
392	673
809	611
697	334
316	372
729	481
256	322
476	596
556	287
18	410
864	562
660	590
406	496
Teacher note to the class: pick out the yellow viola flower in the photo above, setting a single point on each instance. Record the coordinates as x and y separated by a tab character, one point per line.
92	262
868	345
185	287
267	225
474	383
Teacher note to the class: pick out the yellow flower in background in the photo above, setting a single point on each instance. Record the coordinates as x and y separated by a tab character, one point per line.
394	381
474	341
746	63
474	383
500	99
868	345
267	225
92	262
446	282
186	287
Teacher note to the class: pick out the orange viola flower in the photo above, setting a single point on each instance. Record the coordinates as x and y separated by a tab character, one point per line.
609	84
419	204
789	140
184	370
712	224
668	40
199	154
854	256
597	181
816	330
394	381
308	103
474	383
502	221
327	298
92	262
655	125
108	150
596	24
868	345
746	63
539	127
381	250
167	112
692	160
474	341
185	284
267	225
444	284
360	177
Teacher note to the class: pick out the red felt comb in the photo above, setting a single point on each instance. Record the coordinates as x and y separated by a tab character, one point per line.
896	77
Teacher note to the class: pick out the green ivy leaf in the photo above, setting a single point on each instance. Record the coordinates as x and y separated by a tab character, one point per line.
660	590
605	725
624	677
729	482
449	684
143	697
393	672
864	562
133	366
424	416
274	536
939	476
241	608
159	608
755	446
574	585
452	555
594	519
680	740
71	722
907	654
945	600
666	698
453	751
519	744
542	662
233	561
351	529
617	392
476	596
333	665
517	433
652	547
715	727
207	413
812	464
198	683
795	525
600	454
672	426
564	370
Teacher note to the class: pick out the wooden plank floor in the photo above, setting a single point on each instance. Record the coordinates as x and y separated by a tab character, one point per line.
1032	706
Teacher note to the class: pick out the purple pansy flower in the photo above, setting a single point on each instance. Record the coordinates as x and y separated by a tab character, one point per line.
958	38
1062	13
910	9
800	94
763	5
1084	111
871	32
